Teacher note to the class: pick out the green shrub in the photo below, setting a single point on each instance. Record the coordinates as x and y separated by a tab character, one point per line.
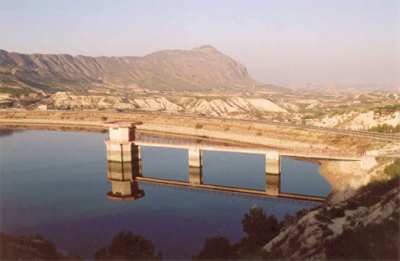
323	227
397	162
327	233
392	170
390	107
103	118
198	126
372	193
16	92
336	212
322	217
216	248
301	228
128	246
24	248
301	213
332	113
386	128
351	204
259	227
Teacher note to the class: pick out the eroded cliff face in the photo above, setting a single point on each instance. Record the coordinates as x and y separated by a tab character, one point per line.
219	106
201	68
360	121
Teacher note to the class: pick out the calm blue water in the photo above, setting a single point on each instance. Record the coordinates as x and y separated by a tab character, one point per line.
54	183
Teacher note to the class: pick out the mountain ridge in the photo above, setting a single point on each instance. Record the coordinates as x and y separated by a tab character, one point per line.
202	68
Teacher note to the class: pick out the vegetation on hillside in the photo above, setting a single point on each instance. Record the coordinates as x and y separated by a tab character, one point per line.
390	107
260	229
386	128
15	91
30	248
372	242
218	248
379	109
393	169
128	246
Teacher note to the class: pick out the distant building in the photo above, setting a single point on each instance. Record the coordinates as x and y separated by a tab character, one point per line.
42	107
356	101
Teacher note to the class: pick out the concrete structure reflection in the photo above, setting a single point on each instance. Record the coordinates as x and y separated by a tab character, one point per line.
195	176
124	162
124	168
124	185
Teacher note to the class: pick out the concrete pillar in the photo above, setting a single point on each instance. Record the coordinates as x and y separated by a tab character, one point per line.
137	169
122	151
195	157
123	175
195	176
136	152
272	184
122	171
272	173
272	163
122	188
125	190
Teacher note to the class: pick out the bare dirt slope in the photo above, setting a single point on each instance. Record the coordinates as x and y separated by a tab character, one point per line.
214	106
355	120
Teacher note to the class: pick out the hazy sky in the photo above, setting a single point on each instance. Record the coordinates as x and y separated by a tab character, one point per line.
280	42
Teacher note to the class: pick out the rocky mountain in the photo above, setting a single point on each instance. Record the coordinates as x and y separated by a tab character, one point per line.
202	68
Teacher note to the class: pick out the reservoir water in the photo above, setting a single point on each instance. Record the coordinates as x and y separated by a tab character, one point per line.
54	184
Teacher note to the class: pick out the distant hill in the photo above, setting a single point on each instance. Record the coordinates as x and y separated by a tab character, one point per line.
202	68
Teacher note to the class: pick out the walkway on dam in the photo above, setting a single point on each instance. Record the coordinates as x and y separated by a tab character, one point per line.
215	146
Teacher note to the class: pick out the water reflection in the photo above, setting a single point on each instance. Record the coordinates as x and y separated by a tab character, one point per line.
125	175
5	132
124	185
195	176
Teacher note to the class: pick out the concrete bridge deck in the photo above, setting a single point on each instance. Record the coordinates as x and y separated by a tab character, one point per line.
212	147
